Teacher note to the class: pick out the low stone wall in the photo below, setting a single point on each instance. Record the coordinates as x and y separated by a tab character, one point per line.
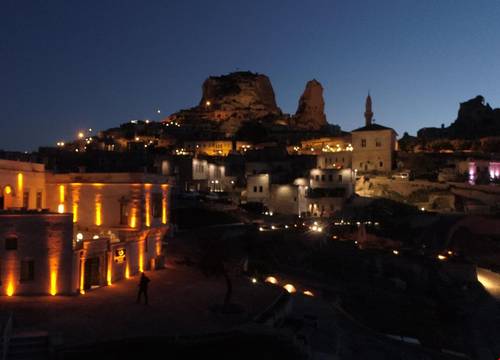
276	313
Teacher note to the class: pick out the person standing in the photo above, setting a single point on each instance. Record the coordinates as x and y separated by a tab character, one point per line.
143	288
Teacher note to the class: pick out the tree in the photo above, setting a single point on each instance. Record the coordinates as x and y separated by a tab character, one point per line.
221	257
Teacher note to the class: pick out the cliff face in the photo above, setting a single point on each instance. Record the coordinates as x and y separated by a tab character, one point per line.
475	119
240	99
230	100
240	91
310	113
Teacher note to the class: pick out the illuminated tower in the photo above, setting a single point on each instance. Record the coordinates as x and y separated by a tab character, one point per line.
368	111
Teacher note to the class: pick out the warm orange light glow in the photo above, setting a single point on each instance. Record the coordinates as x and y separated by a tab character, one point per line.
290	288
441	257
147	206
20	184
53	269
60	208
133	217
98	212
490	280
75	197
7	190
158	246
75	212
141	255
127	271
164	204
308	293
272	280
141	261
82	275
53	283
10	288
108	275
164	211
61	193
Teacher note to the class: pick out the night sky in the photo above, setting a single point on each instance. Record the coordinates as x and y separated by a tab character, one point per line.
68	65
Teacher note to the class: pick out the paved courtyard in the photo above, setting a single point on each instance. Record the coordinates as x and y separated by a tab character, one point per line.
179	304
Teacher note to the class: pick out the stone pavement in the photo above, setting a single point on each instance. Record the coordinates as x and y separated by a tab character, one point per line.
179	304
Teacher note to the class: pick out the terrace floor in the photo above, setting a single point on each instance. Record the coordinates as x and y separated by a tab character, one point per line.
180	298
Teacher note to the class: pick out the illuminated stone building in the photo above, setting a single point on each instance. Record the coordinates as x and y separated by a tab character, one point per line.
36	253
374	145
328	190
22	185
215	147
35	246
321	195
197	174
119	221
317	146
258	188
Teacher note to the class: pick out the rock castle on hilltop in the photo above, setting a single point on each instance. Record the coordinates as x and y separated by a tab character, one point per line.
230	101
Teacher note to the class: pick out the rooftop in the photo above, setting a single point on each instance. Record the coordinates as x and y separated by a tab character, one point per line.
107	178
373	127
21	166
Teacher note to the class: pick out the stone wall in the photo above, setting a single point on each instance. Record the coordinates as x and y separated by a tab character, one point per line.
46	240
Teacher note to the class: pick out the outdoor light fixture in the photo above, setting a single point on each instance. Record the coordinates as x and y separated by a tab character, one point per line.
271	280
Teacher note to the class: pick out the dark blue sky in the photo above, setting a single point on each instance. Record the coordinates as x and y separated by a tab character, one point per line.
67	65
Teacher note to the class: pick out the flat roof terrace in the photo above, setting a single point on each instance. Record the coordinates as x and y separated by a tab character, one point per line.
107	178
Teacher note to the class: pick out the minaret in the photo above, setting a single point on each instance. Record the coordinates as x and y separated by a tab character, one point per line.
368	110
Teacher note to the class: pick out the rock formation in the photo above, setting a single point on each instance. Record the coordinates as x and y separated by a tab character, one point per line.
475	119
240	91
310	113
230	100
